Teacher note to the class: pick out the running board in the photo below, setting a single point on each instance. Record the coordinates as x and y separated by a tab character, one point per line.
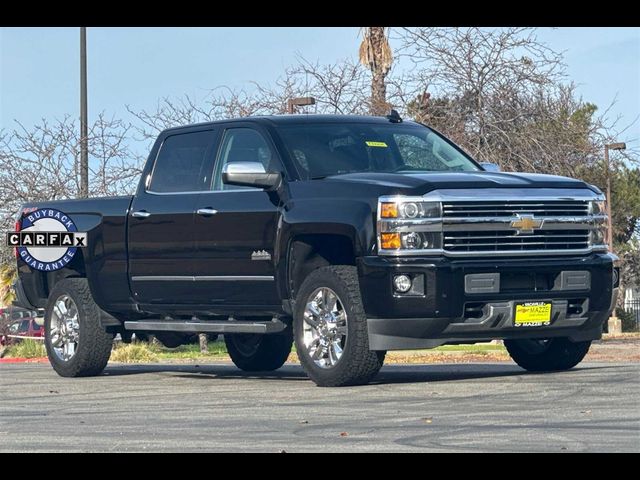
190	326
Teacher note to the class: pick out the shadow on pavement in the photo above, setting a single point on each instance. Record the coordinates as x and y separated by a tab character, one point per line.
390	374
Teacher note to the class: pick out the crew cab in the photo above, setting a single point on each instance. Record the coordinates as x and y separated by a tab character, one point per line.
348	235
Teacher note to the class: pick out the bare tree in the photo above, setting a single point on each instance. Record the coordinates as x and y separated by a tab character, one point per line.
474	68
502	95
339	87
375	53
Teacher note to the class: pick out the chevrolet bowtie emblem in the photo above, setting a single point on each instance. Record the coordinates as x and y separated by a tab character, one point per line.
526	223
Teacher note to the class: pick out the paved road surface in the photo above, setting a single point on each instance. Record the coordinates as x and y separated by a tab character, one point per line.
470	407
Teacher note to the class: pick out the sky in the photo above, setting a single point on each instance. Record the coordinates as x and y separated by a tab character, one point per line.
39	67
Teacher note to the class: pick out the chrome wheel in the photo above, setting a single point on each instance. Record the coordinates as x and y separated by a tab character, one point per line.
325	327
65	328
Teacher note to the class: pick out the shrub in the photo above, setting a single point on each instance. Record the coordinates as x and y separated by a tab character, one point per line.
136	352
26	349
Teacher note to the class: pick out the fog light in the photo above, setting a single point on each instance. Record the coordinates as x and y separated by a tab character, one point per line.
402	283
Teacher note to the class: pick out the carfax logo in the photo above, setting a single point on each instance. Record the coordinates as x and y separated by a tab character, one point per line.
47	239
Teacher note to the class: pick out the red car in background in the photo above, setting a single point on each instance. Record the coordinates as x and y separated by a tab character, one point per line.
23	325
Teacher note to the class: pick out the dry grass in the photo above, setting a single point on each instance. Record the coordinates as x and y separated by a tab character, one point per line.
136	352
26	349
624	348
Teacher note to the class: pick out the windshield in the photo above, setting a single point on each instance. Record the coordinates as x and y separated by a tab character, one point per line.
333	148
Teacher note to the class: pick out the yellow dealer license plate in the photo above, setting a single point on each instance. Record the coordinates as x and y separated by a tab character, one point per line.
532	314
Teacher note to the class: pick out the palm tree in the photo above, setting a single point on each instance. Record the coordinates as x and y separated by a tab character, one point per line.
375	53
8	275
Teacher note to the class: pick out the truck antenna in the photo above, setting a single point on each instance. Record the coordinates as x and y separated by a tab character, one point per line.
394	116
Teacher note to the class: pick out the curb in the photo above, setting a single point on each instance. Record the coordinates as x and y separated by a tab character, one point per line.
24	360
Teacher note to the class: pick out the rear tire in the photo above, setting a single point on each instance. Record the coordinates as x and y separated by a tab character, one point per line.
259	353
83	333
336	353
553	354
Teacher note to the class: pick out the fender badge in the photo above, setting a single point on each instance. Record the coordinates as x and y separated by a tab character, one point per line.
260	255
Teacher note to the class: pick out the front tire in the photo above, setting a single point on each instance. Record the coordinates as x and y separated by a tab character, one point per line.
259	353
547	355
330	329
77	344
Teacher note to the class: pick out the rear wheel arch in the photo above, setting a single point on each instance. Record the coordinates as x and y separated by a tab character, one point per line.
48	280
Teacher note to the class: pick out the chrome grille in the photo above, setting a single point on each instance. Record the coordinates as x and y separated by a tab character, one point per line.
511	241
494	222
485	226
546	208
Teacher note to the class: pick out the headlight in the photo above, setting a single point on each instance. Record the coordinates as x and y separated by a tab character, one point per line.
598	236
409	209
409	226
598	207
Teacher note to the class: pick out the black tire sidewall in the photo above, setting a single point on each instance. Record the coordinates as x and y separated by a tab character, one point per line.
345	371
89	358
560	354
271	353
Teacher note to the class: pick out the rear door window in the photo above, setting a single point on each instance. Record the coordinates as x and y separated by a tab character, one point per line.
184	163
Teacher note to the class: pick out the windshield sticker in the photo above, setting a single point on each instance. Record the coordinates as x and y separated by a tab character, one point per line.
376	144
47	239
341	142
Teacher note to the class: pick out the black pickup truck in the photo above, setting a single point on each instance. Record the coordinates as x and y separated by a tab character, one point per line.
347	235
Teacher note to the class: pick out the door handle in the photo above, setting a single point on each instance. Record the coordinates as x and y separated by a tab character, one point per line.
206	211
141	214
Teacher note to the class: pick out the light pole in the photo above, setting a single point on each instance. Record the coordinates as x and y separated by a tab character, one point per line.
292	103
610	146
84	129
614	324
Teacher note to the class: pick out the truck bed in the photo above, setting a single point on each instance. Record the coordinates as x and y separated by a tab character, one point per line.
105	257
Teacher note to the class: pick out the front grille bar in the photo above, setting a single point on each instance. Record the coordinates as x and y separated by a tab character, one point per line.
485	227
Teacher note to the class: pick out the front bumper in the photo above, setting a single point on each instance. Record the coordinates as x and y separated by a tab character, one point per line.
449	310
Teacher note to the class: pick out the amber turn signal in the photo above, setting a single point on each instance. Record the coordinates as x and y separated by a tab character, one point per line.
389	210
390	240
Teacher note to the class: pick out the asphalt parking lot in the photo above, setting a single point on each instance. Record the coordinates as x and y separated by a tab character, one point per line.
463	407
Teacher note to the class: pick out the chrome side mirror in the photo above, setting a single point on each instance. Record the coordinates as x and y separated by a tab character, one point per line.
249	174
490	167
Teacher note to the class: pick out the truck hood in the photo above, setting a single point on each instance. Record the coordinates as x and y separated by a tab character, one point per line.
420	183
